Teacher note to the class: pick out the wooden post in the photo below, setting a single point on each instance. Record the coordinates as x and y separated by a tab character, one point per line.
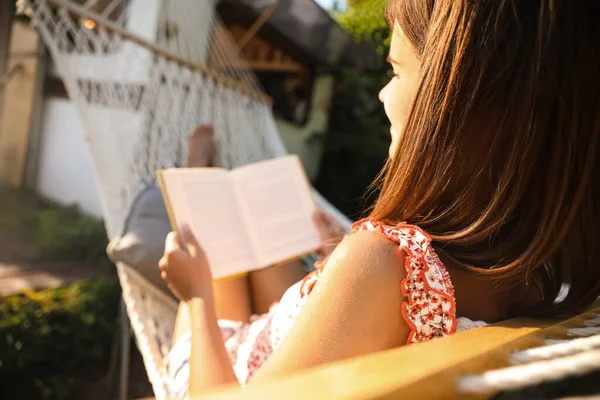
35	127
6	14
19	88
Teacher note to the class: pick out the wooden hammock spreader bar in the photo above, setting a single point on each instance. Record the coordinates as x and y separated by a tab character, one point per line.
208	72
262	19
427	370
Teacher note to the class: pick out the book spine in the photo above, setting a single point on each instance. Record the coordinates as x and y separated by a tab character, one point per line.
165	194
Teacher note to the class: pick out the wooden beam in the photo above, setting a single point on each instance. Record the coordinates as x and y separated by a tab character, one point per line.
263	50
423	371
20	89
6	15
262	19
35	127
285	67
263	56
131	37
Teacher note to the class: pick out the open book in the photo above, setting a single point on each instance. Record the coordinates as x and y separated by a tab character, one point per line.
245	219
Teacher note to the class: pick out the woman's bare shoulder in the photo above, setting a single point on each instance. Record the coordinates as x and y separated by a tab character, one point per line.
369	252
353	310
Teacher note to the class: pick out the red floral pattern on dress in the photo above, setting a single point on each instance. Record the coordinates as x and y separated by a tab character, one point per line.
255	341
429	311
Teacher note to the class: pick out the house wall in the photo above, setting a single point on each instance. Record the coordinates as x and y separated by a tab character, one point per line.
65	168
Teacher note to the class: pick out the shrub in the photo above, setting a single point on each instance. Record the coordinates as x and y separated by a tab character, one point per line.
48	337
60	233
358	137
64	233
356	144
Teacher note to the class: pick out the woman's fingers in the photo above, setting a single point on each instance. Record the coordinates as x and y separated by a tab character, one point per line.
327	225
171	243
322	227
331	232
163	264
173	250
186	273
328	219
334	227
173	255
193	247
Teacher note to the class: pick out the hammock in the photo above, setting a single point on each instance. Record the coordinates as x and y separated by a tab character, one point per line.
143	74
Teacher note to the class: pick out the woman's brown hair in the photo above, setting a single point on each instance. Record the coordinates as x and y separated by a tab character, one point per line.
498	159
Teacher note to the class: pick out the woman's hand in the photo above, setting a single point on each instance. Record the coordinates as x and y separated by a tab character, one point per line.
331	232
187	273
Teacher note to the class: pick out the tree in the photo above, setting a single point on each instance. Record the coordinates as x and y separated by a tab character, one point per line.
365	20
356	144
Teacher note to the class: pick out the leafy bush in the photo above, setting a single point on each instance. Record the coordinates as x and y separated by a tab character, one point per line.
357	142
358	138
64	233
47	337
19	211
59	232
365	21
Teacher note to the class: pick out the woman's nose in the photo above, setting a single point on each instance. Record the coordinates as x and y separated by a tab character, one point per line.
382	93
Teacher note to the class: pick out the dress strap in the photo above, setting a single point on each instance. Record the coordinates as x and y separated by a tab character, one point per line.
430	309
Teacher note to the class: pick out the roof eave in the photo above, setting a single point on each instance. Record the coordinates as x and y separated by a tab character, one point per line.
310	28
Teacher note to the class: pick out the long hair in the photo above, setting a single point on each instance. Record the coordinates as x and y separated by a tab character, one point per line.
498	159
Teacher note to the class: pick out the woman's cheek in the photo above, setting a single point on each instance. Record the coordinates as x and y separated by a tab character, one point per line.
394	107
393	147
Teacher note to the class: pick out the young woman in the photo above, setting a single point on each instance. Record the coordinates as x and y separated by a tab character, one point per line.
488	205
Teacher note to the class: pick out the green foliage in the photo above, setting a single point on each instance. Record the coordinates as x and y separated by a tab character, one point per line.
357	141
66	234
60	233
365	20
47	337
19	211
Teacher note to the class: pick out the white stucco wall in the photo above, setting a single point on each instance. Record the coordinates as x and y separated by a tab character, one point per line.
65	170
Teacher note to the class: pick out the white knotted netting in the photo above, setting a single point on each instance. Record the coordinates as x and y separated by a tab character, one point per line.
143	74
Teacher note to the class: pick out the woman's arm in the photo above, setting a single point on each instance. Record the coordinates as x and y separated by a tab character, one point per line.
188	275
209	363
354	309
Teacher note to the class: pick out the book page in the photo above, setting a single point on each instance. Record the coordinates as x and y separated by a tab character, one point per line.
204	198
278	204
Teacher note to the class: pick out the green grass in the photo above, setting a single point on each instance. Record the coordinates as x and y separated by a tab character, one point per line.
59	232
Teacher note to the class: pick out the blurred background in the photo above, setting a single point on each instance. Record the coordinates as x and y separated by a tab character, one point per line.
63	328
